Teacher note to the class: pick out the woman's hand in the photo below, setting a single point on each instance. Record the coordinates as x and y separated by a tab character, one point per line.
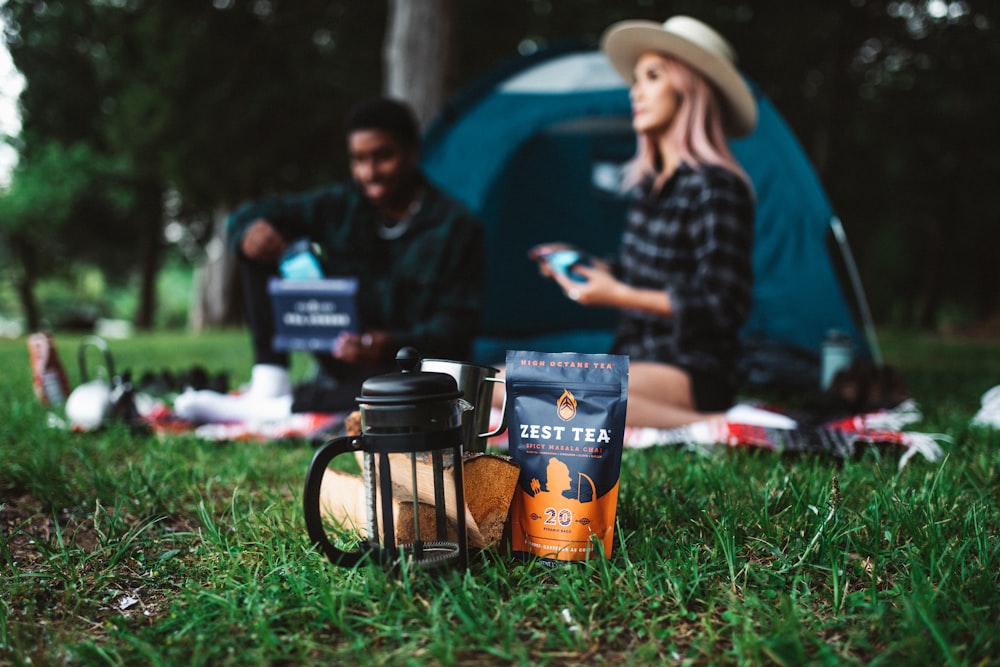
543	250
599	287
540	252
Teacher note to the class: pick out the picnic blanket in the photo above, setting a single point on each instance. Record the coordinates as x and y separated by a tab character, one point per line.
750	427
143	408
841	438
313	426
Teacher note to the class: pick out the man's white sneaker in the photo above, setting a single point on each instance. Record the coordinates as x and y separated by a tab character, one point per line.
742	413
989	413
269	381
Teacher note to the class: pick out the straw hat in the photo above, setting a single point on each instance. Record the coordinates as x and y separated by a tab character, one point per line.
698	45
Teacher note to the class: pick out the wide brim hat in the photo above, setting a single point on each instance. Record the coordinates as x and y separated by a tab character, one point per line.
697	45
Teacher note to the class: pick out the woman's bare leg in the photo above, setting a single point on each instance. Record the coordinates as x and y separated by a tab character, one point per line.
646	412
659	396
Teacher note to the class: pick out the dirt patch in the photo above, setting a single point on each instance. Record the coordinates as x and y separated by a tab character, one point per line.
98	588
25	519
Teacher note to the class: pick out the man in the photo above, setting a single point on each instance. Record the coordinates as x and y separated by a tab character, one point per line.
419	257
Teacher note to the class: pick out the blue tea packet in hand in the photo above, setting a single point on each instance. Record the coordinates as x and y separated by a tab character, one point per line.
300	262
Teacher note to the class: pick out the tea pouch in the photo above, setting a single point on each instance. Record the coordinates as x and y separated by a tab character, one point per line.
565	428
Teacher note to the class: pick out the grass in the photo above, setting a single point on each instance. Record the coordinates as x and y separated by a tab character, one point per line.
118	549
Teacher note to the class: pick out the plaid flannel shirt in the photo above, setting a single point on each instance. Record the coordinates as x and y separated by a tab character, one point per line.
694	240
424	288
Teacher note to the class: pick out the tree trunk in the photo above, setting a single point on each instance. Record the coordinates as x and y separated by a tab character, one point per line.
26	282
152	256
835	106
931	270
217	290
417	53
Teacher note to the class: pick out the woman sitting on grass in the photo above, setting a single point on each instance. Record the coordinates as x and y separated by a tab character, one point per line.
682	280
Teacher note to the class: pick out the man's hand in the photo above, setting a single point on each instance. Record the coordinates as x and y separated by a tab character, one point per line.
365	349
262	243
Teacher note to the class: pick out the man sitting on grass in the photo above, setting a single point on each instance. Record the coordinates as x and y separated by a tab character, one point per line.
418	254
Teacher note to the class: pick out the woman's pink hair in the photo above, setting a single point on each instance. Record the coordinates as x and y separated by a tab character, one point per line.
696	132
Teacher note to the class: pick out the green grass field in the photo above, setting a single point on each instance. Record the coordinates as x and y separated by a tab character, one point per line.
118	549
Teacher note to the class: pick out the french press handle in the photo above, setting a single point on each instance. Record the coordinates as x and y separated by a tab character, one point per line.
311	499
503	410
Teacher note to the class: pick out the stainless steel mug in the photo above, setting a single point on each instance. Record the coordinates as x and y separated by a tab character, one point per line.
476	383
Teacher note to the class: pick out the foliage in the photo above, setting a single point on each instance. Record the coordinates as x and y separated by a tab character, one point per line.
220	99
69	201
225	100
122	549
181	97
214	101
917	104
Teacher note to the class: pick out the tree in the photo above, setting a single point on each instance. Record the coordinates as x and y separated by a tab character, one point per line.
416	68
73	198
212	101
57	187
916	106
207	102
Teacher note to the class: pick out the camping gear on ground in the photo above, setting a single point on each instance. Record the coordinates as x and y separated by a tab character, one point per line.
550	133
411	430
48	376
111	397
166	381
476	383
862	387
88	405
566	431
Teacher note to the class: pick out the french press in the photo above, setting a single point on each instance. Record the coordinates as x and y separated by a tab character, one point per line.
411	457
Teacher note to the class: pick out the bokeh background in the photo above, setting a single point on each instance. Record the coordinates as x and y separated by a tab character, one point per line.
136	125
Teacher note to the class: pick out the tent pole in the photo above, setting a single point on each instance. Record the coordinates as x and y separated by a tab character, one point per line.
852	269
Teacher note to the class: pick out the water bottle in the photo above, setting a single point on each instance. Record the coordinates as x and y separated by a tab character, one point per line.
838	353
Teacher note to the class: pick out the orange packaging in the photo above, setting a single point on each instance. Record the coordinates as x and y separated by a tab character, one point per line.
47	373
566	425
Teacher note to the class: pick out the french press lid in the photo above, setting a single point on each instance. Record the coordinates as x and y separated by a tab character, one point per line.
408	386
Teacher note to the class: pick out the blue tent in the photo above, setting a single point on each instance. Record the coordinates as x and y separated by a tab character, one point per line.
536	148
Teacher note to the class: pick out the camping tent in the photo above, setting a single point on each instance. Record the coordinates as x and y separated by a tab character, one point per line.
536	149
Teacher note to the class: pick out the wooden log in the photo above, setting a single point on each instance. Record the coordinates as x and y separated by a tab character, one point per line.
415	483
490	482
489	490
406	528
343	502
343	498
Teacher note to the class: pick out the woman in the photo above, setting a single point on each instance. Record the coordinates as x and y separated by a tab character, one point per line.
682	280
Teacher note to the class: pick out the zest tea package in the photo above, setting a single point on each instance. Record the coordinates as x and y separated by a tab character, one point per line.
565	428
